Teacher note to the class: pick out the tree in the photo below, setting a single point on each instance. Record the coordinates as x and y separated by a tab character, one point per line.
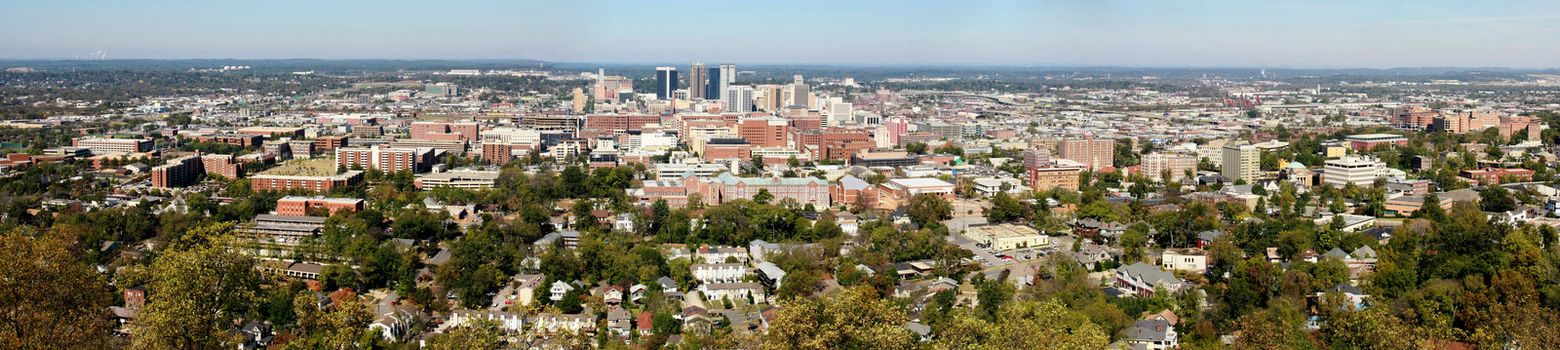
342	325
51	299
1022	325
1495	198
198	288
1279	327
926	209
477	334
1004	208
915	148
1133	241
856	318
763	196
1368	329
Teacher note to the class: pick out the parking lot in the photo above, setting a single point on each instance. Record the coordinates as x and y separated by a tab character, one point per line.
989	258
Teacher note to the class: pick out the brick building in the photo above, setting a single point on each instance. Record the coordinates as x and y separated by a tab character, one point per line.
100	145
386	159
178	172
445	131
766	132
1096	154
299	206
308	183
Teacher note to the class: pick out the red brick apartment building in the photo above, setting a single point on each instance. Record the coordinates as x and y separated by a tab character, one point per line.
299	206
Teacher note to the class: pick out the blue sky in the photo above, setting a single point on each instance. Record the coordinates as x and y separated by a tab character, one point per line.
1253	33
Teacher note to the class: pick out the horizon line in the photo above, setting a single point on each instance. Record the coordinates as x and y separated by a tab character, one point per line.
797	64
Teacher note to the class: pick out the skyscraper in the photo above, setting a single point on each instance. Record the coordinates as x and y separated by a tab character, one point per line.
800	94
698	81
739	98
728	76
1097	154
714	88
1242	161
665	82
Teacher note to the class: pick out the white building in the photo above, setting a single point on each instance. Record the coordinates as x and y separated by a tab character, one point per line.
739	98
1193	260
719	273
1007	237
733	291
507	321
1358	170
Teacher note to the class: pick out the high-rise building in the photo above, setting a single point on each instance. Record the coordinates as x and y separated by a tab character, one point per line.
1097	154
800	94
698	81
1241	161
1176	165
728	76
765	132
739	98
772	98
579	100
714	84
665	82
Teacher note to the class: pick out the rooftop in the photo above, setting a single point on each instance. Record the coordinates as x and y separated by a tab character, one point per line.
304	167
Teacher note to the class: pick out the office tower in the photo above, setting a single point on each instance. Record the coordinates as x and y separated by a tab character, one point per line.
840	113
1097	154
773	99
714	88
739	98
1241	161
698	81
665	82
797	79
579	100
800	96
728	76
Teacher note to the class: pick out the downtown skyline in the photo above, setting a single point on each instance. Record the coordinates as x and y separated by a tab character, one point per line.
1327	34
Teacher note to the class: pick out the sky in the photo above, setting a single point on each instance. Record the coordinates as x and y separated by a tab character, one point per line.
1148	33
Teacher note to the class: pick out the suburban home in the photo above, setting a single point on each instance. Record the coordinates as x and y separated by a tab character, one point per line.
733	291
722	254
770	274
1153	334
1190	260
1139	279
508	321
558	289
619	322
582	322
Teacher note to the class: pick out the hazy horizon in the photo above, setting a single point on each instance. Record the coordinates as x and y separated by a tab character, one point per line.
1162	34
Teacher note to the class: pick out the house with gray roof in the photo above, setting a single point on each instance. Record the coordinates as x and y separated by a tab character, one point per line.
1140	279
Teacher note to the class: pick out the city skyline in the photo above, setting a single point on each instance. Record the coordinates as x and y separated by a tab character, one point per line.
1328	34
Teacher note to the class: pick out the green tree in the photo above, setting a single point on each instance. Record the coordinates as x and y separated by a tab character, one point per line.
855	318
1005	208
1496	198
477	334
926	209
1022	325
52	300
763	196
198	289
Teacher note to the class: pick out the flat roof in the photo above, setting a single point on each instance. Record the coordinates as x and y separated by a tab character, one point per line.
920	182
304	167
1370	137
1005	231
